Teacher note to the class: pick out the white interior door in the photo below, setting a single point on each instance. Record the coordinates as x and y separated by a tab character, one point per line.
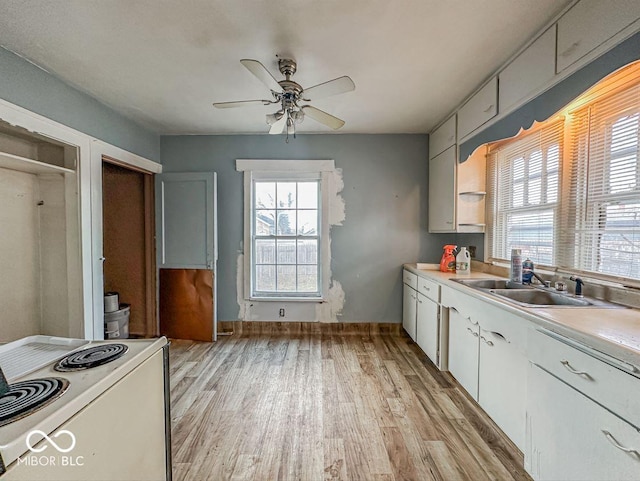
186	219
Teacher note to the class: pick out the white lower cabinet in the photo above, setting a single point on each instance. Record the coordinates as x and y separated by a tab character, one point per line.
409	310
427	333
502	384
464	351
570	437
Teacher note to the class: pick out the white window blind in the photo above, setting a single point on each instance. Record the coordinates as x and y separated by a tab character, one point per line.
524	177
604	196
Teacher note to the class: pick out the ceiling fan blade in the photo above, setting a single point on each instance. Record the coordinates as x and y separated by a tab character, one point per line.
261	72
278	126
324	118
241	103
336	86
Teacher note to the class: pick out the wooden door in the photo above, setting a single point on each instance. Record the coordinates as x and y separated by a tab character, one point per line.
187	254
128	243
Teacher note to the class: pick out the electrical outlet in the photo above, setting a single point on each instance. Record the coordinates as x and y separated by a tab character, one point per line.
282	312
472	251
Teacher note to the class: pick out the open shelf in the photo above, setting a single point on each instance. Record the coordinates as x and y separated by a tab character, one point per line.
23	164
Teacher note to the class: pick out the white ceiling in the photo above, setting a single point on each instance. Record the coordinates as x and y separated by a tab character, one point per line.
162	63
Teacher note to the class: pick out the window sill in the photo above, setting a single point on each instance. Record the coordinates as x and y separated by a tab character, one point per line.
287	299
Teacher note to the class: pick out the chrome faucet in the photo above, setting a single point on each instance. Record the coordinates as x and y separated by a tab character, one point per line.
579	283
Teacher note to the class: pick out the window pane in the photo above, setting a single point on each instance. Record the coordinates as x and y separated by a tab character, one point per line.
307	222
265	251
535	164
307	278
518	195
307	195
286	278
286	222
286	251
518	169
265	195
265	278
265	222
533	233
535	191
286	195
552	187
308	251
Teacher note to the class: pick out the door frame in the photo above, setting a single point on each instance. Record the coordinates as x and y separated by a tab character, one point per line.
99	151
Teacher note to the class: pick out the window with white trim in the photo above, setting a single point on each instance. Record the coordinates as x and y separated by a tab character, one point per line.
568	194
285	239
286	228
525	176
605	185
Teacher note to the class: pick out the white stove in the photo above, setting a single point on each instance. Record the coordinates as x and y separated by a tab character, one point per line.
129	392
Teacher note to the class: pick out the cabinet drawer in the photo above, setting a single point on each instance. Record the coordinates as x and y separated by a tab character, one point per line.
429	288
410	278
442	138
615	389
480	108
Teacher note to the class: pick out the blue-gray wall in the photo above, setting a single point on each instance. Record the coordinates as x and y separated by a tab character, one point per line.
385	194
24	84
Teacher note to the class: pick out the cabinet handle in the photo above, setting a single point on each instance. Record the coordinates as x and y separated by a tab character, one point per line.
568	367
570	49
449	222
454	310
613	441
488	109
413	297
426	288
489	343
475	334
419	301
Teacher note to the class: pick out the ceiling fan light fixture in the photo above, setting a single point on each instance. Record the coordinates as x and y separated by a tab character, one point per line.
297	116
291	129
273	118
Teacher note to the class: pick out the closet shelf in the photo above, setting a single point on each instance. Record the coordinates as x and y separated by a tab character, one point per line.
30	166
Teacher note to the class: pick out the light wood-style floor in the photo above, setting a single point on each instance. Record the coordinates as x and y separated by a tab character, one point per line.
314	407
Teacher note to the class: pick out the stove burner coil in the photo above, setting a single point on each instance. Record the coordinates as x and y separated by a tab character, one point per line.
26	397
91	357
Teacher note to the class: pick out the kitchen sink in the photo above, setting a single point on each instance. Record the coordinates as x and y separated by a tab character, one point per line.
492	284
532	296
537	297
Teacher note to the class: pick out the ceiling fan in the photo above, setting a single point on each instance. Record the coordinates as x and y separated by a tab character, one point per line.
289	94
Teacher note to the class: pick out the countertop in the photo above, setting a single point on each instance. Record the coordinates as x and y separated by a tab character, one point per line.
615	332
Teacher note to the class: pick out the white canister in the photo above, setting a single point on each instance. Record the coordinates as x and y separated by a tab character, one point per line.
111	302
515	273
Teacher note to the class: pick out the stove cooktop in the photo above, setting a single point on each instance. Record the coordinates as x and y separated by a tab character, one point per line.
26	397
91	357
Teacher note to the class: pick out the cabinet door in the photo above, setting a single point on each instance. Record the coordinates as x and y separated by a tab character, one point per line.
442	138
588	24
463	351
427	327
531	70
502	384
571	437
409	310
478	109
442	191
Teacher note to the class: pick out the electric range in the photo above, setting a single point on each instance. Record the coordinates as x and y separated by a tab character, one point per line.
70	375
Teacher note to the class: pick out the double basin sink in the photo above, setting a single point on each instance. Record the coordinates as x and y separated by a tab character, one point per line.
530	296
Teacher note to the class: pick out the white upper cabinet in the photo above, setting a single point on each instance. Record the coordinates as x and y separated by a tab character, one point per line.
442	138
590	23
478	109
531	70
442	191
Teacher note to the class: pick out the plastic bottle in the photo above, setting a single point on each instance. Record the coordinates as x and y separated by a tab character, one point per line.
463	262
515	273
448	261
